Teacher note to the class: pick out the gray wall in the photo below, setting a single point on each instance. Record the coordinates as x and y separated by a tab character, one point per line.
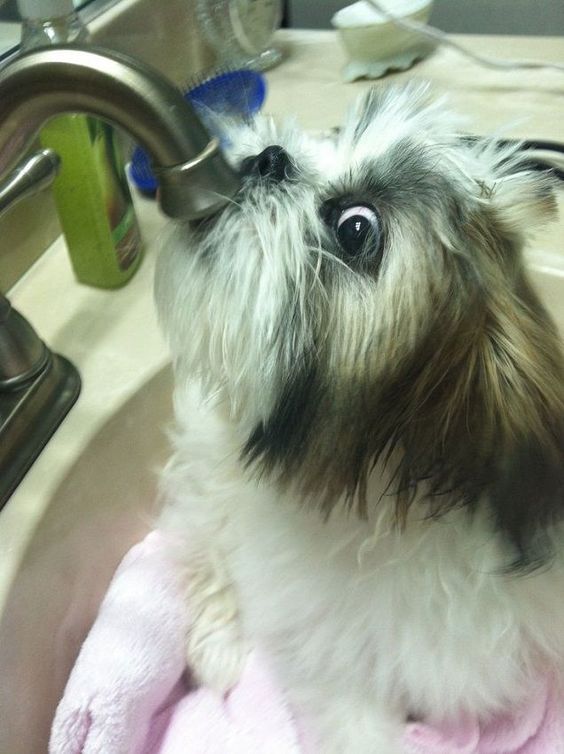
539	17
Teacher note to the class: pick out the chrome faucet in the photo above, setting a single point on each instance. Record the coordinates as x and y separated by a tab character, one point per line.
37	387
194	178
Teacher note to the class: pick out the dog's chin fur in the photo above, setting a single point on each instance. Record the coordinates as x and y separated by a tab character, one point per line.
369	467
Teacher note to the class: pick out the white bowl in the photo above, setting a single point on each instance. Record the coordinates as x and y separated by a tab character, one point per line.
375	44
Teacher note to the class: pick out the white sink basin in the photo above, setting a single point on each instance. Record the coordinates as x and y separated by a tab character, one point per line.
91	493
104	504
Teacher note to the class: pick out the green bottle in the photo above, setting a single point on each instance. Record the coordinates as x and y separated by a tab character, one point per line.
91	192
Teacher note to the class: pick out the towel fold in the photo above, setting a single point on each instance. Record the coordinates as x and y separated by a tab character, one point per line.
129	693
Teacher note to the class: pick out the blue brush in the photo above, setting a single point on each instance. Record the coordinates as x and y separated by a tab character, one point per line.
233	94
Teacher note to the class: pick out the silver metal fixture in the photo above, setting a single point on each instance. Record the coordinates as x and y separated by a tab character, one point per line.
29	177
194	178
37	387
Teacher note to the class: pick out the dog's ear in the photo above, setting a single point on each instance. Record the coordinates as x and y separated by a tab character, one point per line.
523	394
524	200
479	417
487	404
523	365
484	419
521	197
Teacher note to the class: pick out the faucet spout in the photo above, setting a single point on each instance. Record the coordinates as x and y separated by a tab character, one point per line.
195	180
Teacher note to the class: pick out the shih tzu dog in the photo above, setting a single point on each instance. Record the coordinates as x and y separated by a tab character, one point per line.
369	460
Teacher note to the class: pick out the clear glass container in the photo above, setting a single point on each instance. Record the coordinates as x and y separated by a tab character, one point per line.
241	31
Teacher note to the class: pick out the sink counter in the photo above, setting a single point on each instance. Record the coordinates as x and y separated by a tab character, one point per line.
104	457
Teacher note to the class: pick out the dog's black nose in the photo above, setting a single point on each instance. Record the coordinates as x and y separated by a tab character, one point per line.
273	162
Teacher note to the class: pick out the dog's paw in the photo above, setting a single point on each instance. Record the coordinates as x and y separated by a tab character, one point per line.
215	649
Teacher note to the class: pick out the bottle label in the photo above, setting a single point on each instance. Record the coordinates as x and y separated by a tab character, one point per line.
127	239
116	195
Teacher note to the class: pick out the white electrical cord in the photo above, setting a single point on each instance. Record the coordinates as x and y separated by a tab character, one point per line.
430	32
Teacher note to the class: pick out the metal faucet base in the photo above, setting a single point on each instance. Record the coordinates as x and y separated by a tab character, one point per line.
29	415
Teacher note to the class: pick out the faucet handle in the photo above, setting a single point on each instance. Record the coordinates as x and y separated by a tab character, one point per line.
32	174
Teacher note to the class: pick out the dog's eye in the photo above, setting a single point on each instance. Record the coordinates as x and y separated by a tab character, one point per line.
357	228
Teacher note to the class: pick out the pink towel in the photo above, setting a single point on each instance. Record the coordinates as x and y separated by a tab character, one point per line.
128	693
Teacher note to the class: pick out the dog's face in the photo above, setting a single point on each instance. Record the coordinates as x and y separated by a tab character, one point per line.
363	299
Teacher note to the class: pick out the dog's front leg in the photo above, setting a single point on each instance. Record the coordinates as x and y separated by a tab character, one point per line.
215	649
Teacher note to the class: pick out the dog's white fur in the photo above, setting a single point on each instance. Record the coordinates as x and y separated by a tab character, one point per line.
366	623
